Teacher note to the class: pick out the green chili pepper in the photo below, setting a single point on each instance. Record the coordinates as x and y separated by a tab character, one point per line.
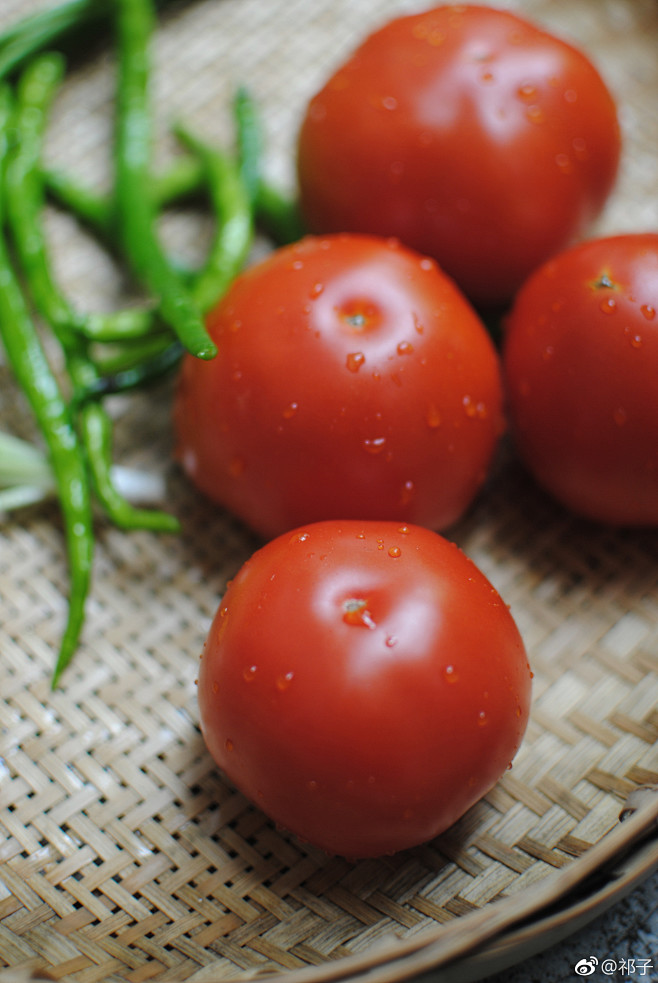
276	212
233	221
25	200
33	373
136	212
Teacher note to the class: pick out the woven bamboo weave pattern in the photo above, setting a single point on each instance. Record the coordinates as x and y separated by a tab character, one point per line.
124	855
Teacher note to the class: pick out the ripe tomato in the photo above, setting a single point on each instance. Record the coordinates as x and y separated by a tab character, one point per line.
468	133
353	380
364	684
581	362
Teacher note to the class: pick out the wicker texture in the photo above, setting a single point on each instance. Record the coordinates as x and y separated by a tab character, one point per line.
123	853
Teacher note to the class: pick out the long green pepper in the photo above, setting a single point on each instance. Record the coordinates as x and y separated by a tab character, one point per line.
33	373
136	212
25	195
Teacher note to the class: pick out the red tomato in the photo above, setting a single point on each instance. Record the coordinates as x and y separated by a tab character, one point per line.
364	684
353	380
468	133
581	360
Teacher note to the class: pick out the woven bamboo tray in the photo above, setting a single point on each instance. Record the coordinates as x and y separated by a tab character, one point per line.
124	855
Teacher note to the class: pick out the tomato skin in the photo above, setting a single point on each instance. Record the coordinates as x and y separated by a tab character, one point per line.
369	731
468	133
353	380
581	367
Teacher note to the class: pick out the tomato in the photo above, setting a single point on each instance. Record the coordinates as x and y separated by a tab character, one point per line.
353	380
473	136
581	364
364	684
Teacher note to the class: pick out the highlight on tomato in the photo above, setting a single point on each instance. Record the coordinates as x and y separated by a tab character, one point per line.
581	368
469	133
353	380
364	684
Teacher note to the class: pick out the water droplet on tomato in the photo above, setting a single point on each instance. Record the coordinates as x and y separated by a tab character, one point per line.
354	361
450	674
316	290
408	491
391	641
526	91
608	305
284	681
389	102
570	96
483	720
374	445
229	745
404	530
405	348
648	311
249	673
535	114
634	340
290	411
580	148
395	552
215	688
564	163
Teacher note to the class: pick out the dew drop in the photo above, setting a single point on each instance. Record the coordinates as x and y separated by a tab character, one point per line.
408	492
389	102
427	263
450	675
284	681
608	305
483	720
290	411
391	641
316	290
405	348
215	687
354	361
648	311
564	163
404	530
526	91
570	95
535	114
249	673
374	445
635	340
229	745
297	264
395	551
